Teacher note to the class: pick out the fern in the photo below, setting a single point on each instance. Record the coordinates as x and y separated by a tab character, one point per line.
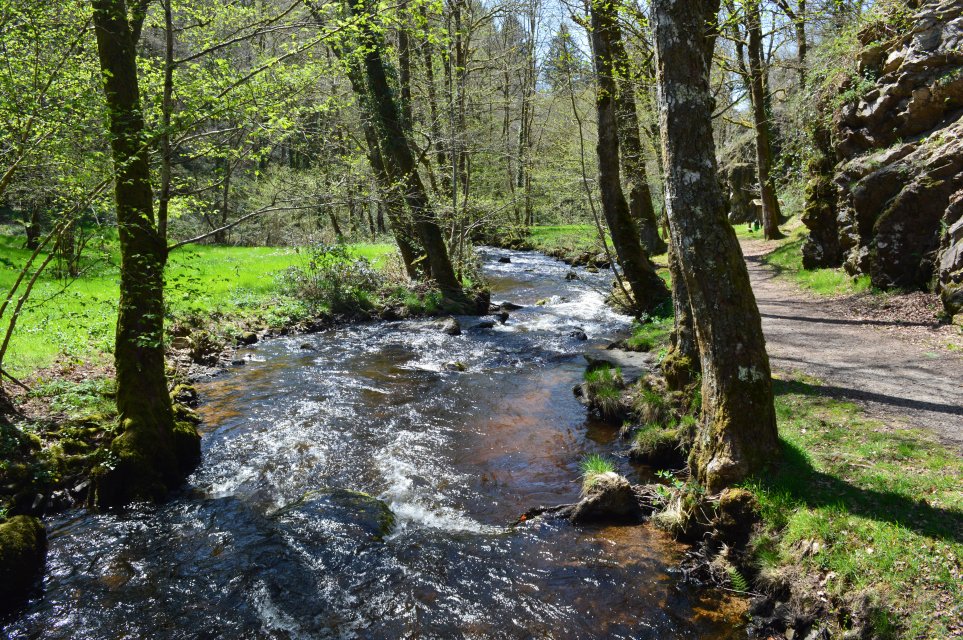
737	580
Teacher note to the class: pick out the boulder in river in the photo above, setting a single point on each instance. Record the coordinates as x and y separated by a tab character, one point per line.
608	497
451	327
578	333
23	551
484	324
502	317
571	275
505	260
509	306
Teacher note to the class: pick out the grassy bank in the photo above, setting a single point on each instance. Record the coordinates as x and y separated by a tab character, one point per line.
571	238
786	260
72	321
861	519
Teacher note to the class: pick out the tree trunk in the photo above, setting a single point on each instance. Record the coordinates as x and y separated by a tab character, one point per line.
633	159
681	364
153	452
760	117
404	71
435	126
738	432
32	227
647	287
400	163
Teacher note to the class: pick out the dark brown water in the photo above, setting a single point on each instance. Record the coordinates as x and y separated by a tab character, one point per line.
456	455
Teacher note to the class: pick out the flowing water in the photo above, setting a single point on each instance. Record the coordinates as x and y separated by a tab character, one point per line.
248	550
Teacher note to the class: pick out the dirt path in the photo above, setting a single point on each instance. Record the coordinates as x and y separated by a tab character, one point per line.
892	367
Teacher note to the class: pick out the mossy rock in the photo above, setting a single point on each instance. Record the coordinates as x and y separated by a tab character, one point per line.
736	514
185	394
659	447
23	551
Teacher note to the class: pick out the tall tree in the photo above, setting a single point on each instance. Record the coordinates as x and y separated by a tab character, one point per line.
738	431
761	122
647	287
633	158
399	158
153	452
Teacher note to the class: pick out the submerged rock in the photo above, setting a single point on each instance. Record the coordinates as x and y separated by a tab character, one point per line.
484	324
571	275
352	513
608	497
23	551
510	306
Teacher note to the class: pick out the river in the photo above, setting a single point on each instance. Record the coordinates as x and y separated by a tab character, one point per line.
247	550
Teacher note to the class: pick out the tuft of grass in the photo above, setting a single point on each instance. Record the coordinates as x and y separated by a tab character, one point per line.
594	465
858	508
603	390
652	334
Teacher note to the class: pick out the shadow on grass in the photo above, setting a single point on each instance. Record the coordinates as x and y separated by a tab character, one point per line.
796	482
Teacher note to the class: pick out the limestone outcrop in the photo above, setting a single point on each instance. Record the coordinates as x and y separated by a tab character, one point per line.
884	198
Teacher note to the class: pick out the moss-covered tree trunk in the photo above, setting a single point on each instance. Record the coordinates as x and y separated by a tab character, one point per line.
153	452
647	287
738	432
760	119
630	145
681	364
400	161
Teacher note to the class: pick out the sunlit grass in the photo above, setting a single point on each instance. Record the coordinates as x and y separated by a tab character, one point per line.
883	507
65	322
787	260
592	466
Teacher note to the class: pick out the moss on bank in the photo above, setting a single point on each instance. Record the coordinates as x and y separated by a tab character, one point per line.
23	549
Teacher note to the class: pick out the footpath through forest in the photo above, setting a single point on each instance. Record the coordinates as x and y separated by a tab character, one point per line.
898	368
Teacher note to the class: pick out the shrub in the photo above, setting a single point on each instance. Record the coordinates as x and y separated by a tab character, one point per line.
333	280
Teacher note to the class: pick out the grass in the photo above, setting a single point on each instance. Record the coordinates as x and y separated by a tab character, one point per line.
73	322
573	238
862	513
652	334
603	389
594	465
787	261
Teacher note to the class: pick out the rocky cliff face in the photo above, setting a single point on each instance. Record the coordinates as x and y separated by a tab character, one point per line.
885	198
